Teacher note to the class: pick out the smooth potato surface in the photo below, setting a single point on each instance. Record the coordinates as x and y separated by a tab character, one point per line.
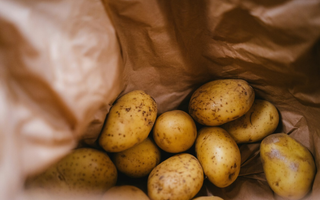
85	170
139	160
289	166
220	101
175	131
179	177
129	121
260	121
124	192
208	198
219	155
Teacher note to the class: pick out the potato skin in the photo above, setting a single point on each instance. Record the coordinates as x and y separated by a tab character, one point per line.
220	101
175	131
139	160
84	170
129	121
124	192
208	198
289	166
179	177
219	155
260	121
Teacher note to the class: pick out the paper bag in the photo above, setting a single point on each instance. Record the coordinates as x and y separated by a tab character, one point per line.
61	69
63	63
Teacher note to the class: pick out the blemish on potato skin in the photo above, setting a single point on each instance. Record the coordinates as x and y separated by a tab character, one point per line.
270	140
230	177
294	166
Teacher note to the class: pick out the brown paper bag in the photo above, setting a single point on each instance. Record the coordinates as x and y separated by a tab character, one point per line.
170	48
61	69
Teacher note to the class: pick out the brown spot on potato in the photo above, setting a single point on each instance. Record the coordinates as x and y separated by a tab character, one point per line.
231	175
271	117
128	109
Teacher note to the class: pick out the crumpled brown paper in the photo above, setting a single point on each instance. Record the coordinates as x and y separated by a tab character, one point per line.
172	47
61	68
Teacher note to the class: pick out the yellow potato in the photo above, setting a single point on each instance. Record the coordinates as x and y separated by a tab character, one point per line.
220	101
208	198
289	166
124	192
129	121
219	155
84	171
139	160
175	131
178	177
260	121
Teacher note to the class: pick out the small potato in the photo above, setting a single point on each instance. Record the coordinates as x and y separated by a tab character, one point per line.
175	131
219	156
178	177
260	121
129	121
208	198
220	101
139	160
84	171
124	192
289	166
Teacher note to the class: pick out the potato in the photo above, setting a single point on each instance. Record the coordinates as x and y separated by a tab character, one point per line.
220	101
260	121
219	155
85	170
178	177
208	198
175	131
129	121
139	160
289	166
125	192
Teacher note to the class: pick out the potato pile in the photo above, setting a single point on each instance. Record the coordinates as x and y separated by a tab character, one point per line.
221	115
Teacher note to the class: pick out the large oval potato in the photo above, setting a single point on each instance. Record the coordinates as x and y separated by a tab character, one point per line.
84	171
178	177
220	101
129	121
219	155
174	131
289	166
139	160
260	121
124	192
